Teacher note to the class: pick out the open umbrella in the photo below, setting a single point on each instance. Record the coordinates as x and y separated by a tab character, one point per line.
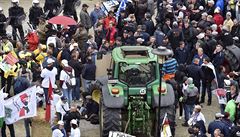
62	20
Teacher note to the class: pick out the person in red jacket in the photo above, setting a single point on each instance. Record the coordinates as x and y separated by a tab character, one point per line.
218	19
111	34
108	19
32	40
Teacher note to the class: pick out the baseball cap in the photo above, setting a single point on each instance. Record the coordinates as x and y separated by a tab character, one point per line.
74	121
60	123
50	60
219	115
65	63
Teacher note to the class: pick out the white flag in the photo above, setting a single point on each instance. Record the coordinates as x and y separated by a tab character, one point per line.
22	105
2	110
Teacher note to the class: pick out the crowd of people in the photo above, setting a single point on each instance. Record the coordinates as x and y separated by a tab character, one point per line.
198	31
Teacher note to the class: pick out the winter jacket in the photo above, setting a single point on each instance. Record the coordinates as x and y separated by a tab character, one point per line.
89	71
15	14
111	35
216	124
107	21
218	59
2	20
194	71
34	14
85	19
52	6
77	66
159	35
181	55
191	94
149	26
231	109
95	15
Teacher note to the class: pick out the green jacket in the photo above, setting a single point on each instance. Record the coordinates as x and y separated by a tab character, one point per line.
231	109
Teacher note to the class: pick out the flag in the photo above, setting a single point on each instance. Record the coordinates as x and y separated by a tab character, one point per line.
11	58
20	106
166	131
2	110
121	7
48	114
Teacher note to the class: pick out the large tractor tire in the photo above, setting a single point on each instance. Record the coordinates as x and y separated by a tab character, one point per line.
110	119
232	58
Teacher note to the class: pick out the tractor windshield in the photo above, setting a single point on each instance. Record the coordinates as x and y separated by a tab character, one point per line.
137	75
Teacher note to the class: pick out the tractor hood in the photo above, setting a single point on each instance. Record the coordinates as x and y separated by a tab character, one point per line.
133	55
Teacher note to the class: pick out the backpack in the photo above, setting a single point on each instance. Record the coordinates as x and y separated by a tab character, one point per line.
71	82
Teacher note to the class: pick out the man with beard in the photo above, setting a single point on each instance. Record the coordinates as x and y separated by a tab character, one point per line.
34	13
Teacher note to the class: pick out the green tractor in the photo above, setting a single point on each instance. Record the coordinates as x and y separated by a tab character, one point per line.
128	99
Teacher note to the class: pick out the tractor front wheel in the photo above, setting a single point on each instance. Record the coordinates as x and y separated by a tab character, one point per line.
110	119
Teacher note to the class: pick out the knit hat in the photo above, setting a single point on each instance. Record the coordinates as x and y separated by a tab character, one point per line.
190	82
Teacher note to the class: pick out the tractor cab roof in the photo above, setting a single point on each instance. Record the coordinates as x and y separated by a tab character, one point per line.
133	54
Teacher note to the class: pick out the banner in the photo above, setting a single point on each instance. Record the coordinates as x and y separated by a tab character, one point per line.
2	111
22	105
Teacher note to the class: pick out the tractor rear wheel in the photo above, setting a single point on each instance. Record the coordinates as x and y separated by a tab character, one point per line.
110	119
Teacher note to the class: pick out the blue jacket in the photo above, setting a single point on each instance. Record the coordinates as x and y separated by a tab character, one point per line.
181	55
200	59
95	15
216	124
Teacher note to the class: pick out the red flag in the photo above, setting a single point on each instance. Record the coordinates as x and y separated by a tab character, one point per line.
11	59
48	104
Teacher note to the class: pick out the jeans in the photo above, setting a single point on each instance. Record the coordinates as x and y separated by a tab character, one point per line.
188	110
68	94
46	94
86	84
27	124
11	129
76	89
222	108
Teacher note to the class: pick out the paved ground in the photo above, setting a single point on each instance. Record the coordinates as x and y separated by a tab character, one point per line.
88	130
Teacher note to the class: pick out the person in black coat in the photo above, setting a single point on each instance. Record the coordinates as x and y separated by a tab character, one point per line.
218	57
88	73
77	66
235	130
207	80
3	20
66	53
16	15
175	35
51	7
69	9
149	24
194	71
181	53
34	13
180	77
73	114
